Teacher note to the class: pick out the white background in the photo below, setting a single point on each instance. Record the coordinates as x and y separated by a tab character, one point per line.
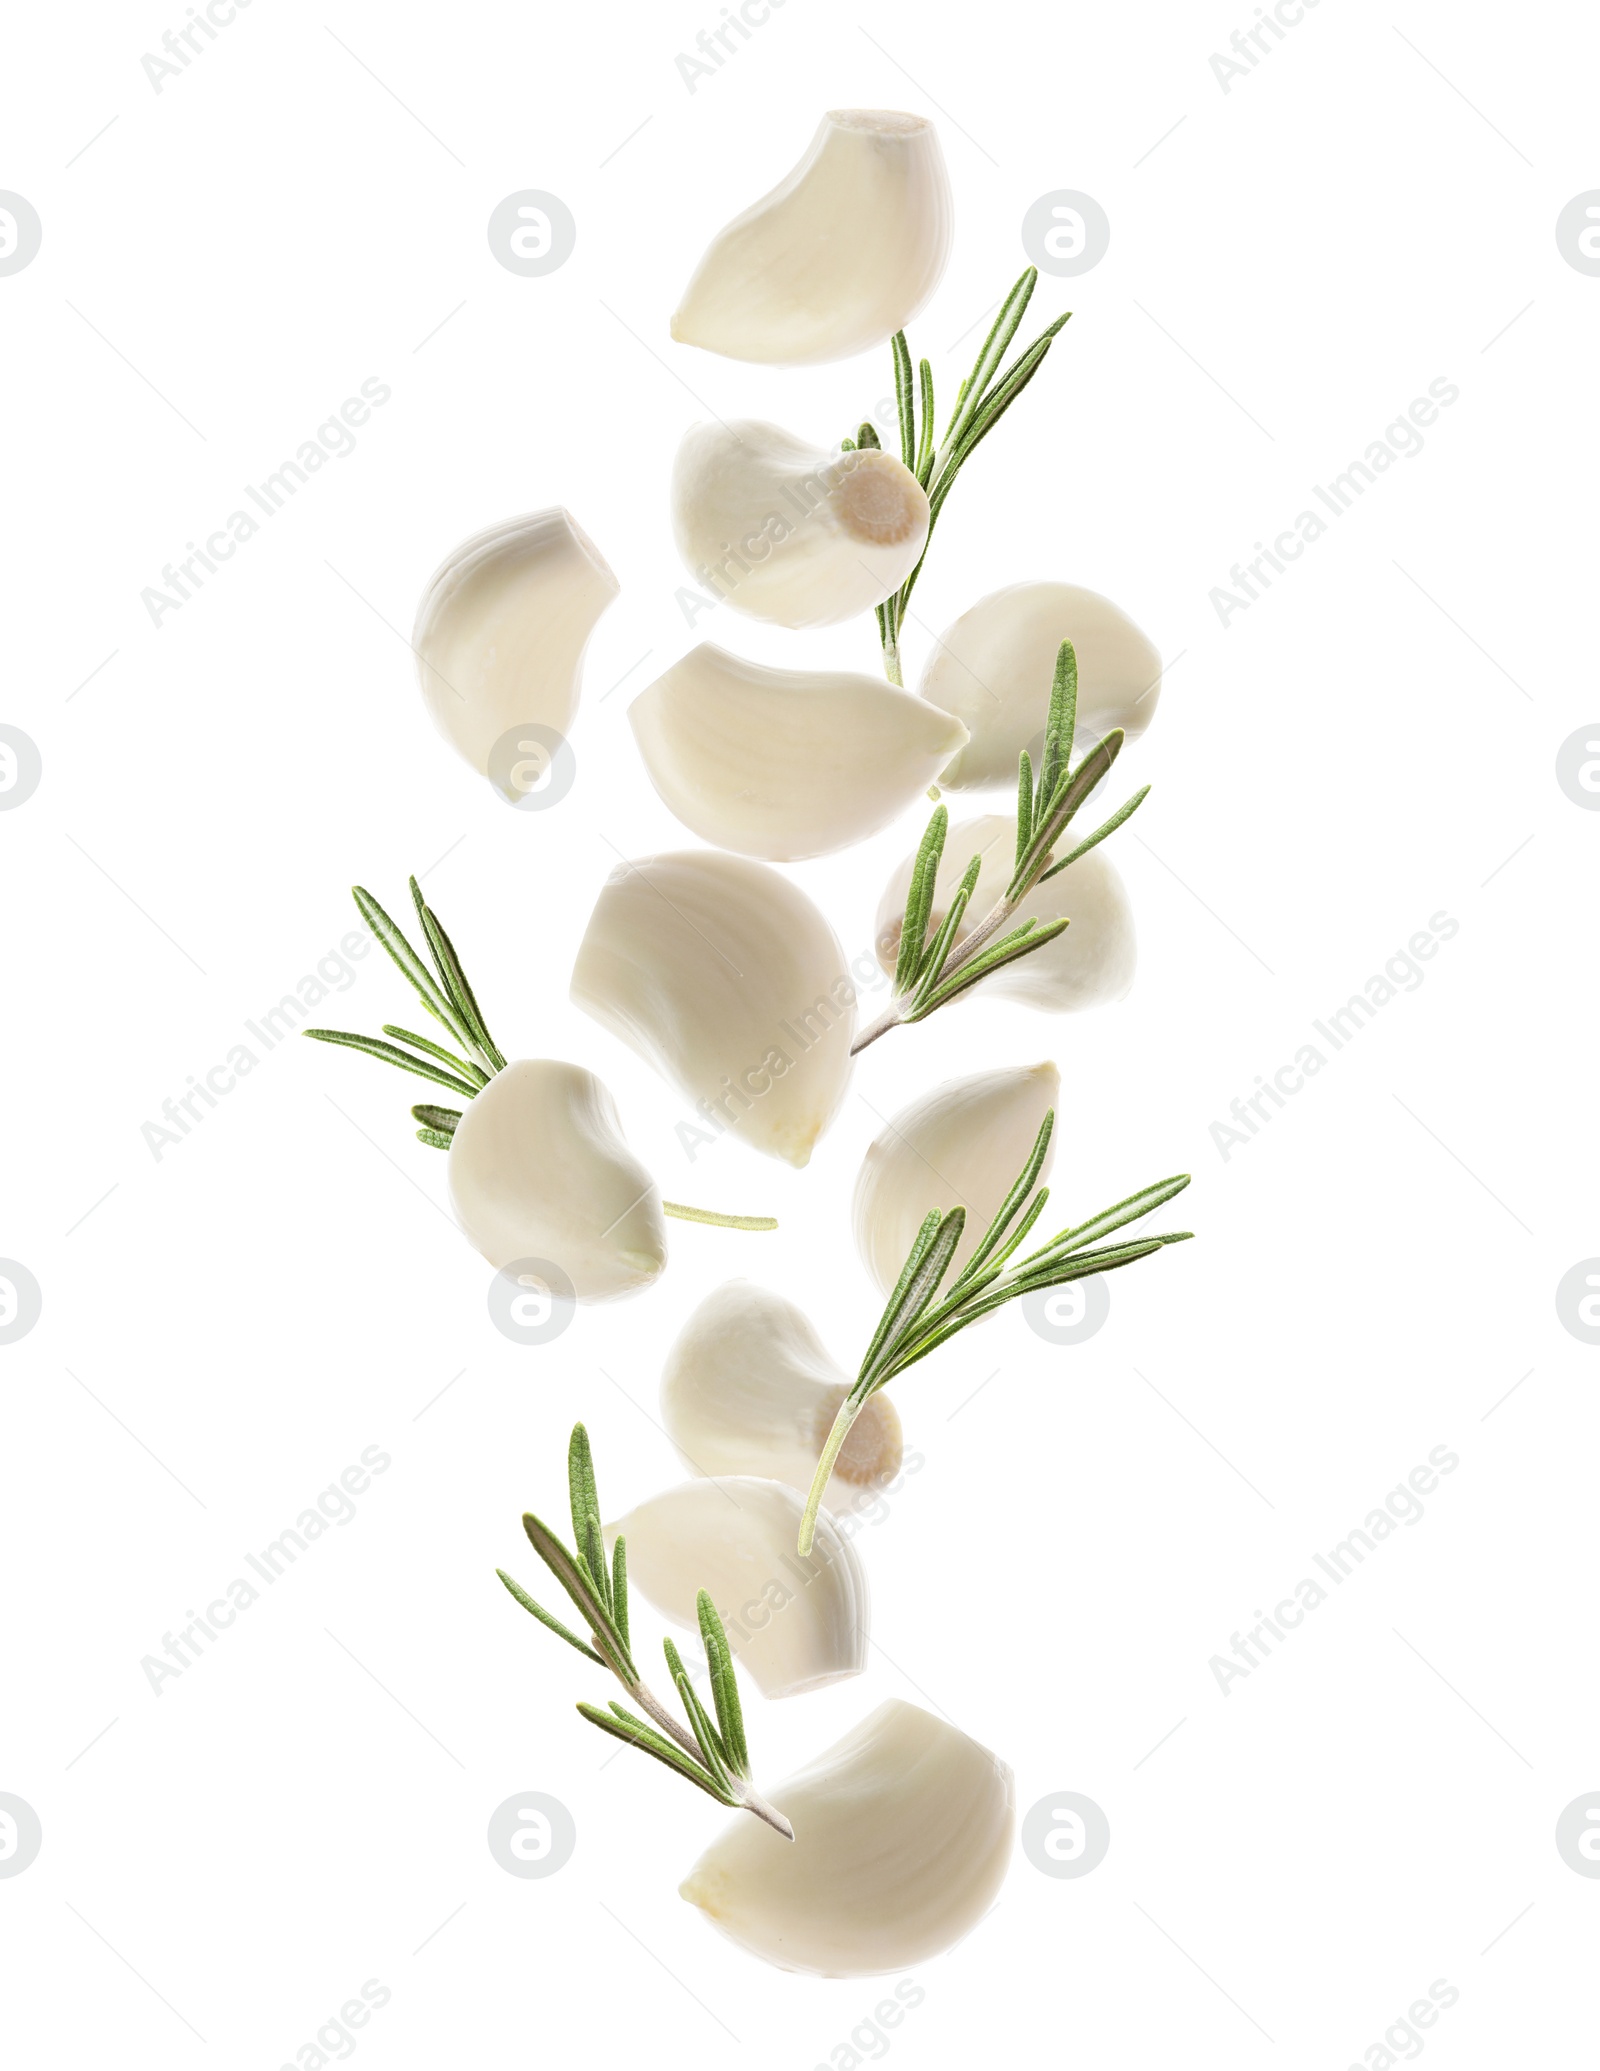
1372	742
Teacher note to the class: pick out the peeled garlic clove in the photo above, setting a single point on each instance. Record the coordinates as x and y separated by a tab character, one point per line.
960	1146
789	532
838	257
794	1622
785	763
500	636
538	1169
1087	965
994	667
748	1388
730	982
902	1838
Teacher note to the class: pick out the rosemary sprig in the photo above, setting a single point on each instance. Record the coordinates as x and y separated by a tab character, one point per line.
711	1751
930	969
981	401
917	1318
447	994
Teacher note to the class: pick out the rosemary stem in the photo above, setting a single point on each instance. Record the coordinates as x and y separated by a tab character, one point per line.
754	1802
719	1221
819	1481
889	1018
891	662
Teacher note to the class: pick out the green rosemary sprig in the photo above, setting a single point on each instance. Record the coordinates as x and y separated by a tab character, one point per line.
917	1319
930	969
981	401
448	996
712	1751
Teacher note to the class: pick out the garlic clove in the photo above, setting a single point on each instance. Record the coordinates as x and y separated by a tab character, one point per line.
960	1146
1088	964
728	980
789	532
538	1169
993	669
838	257
785	763
500	637
902	1838
795	1622
749	1389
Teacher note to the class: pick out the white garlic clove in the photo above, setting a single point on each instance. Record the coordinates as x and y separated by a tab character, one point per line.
993	670
729	981
795	1622
749	1388
785	763
789	532
538	1169
960	1146
902	1838
838	257
500	637
1089	964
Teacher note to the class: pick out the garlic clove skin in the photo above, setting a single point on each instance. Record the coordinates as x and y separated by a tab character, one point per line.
501	632
902	1838
538	1169
748	1388
794	1623
791	533
785	763
838	257
993	669
1089	964
960	1146
728	980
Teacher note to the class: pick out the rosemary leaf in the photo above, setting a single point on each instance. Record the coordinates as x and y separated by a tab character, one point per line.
905	399
408	962
583	1497
444	1119
576	1582
924	462
1004	1214
435	1139
619	1587
921	1245
461	1066
390	1055
724	1687
1024	803
1012	311
1023	941
867	436
1123	812
1145	1202
933	963
538	1611
919	900
637	1734
705	1733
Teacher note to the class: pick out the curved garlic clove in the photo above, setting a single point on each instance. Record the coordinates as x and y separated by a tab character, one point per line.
728	980
501	632
785	763
960	1146
838	257
538	1169
789	532
902	1838
795	1623
994	667
748	1388
1088	964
